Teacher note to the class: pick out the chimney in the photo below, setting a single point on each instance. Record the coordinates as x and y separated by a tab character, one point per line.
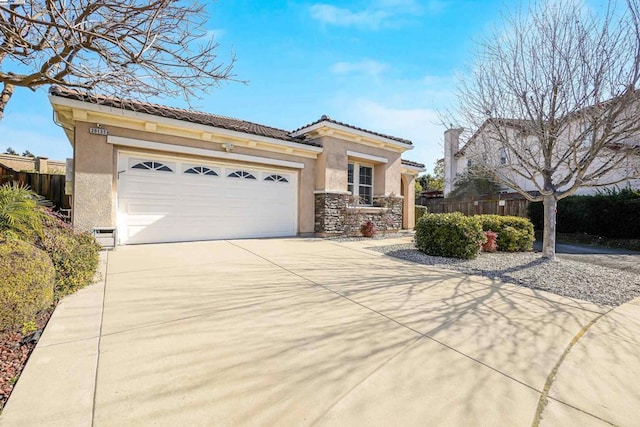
451	147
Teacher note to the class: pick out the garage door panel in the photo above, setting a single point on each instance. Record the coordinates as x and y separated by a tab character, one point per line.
157	206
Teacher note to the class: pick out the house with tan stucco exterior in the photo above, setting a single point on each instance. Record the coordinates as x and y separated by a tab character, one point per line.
162	174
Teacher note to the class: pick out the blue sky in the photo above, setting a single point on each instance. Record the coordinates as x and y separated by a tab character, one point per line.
385	65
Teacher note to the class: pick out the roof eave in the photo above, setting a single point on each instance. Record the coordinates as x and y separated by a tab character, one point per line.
79	110
359	135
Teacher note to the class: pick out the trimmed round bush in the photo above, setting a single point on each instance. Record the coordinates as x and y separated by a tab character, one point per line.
26	282
514	233
451	235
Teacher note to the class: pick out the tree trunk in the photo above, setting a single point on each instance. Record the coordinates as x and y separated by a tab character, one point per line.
5	95
549	237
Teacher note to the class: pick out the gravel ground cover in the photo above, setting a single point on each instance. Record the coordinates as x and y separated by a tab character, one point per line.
15	349
589	282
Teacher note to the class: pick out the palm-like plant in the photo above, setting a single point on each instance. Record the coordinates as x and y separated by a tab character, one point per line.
20	213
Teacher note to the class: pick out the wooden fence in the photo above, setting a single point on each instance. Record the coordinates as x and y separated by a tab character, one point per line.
477	206
51	187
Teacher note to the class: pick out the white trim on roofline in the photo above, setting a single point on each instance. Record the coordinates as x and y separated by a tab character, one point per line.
413	168
353	131
104	109
363	156
158	146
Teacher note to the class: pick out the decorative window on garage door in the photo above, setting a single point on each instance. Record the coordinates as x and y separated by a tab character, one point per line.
200	170
241	174
152	166
276	178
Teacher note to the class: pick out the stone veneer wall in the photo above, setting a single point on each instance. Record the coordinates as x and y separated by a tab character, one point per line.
330	213
334	217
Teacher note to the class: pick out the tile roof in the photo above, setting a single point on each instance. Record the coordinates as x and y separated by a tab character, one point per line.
414	164
181	114
326	118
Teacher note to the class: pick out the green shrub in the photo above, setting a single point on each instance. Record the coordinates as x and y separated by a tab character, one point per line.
420	211
26	282
75	256
610	214
514	233
449	235
20	214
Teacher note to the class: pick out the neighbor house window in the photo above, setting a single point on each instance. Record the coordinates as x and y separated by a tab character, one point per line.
469	163
503	156
360	182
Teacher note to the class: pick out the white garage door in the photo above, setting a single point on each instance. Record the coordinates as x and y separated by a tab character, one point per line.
172	200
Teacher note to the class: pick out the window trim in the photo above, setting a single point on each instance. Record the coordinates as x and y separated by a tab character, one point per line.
355	185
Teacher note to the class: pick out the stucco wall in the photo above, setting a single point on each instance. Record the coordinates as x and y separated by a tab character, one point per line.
95	191
21	163
332	166
93	186
408	206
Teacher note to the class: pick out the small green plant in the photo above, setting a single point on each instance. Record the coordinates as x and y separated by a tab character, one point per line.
20	214
29	327
26	285
368	229
452	235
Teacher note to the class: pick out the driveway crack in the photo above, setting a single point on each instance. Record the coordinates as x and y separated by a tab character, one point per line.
95	379
551	377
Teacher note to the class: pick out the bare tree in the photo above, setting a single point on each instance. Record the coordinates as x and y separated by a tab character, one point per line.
119	47
553	97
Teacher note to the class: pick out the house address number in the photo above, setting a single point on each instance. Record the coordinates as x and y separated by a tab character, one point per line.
98	131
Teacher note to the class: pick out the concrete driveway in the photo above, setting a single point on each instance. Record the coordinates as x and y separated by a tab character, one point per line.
315	332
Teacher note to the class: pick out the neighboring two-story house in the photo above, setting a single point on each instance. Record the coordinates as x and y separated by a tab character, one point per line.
507	148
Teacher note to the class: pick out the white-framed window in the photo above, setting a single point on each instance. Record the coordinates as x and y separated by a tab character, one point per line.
360	182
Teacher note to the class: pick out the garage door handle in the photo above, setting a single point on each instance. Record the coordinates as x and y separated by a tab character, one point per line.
119	172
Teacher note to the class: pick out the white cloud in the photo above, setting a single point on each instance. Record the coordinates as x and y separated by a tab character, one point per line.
216	33
367	67
378	14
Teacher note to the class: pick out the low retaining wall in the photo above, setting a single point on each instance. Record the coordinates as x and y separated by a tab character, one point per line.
335	216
